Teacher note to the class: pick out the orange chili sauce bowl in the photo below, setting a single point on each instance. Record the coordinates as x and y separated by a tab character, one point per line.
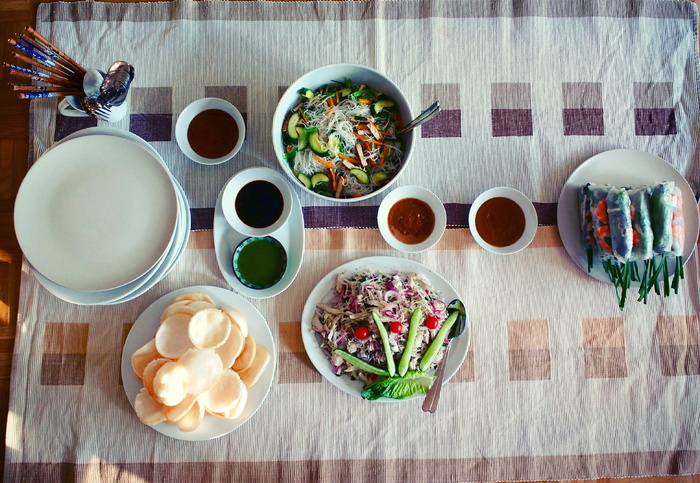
197	107
408	193
500	223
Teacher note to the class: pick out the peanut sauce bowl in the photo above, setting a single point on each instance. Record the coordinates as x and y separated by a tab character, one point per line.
412	219
210	131
503	220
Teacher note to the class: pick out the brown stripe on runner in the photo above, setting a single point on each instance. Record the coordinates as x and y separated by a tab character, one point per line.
65	349
513	468
201	240
528	350
679	345
604	354
294	364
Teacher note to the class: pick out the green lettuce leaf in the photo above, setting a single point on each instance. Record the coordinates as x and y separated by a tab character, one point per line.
397	387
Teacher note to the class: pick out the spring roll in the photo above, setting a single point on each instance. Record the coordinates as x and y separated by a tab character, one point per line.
620	221
662	216
599	217
586	220
642	234
677	223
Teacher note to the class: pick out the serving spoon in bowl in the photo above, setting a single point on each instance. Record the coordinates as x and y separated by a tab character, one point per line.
424	116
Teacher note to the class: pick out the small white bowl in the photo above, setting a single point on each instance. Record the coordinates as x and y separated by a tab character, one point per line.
422	194
189	113
240	180
528	210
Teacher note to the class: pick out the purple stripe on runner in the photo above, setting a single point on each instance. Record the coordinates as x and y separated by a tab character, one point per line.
202	218
366	216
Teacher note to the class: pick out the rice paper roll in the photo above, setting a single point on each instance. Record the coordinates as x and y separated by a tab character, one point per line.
587	235
662	216
599	217
620	221
642	234
677	223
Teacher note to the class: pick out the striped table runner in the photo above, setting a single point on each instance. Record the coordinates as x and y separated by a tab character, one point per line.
558	383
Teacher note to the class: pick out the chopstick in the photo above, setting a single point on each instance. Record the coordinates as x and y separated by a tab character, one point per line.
59	74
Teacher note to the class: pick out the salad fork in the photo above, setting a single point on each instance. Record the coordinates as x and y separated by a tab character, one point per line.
433	397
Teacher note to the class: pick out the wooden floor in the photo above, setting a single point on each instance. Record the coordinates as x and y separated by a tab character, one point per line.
14	141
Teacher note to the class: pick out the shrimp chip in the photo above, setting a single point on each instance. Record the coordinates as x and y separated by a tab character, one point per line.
142	357
209	328
205	369
225	393
232	348
192	419
236	410
149	374
245	359
251	375
148	410
172	339
171	383
177	308
237	318
194	296
201	305
177	412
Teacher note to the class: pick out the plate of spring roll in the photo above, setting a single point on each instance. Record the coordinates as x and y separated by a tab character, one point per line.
630	219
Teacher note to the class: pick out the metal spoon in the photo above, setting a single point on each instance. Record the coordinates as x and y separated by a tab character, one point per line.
433	397
426	115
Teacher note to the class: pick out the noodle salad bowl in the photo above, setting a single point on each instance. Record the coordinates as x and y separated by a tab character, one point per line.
334	132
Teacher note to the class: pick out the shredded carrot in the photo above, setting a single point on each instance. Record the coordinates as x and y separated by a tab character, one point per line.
364	101
337	97
328	164
331	101
382	156
303	116
348	158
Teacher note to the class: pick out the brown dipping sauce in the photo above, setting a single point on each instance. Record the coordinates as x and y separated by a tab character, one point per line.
259	204
500	222
411	221
213	133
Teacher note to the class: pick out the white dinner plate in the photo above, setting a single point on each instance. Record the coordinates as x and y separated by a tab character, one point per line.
155	274
323	292
144	329
619	167
290	235
96	212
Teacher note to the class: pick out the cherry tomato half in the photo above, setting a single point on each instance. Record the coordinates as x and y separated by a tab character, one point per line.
396	327
362	332
431	322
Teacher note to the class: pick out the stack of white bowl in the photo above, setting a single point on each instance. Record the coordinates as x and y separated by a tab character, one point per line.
100	218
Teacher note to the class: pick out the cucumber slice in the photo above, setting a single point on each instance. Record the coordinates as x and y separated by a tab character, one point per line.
307	93
360	174
383	104
304	180
303	138
316	145
390	364
344	92
437	342
360	364
416	317
335	146
292	125
379	178
319	178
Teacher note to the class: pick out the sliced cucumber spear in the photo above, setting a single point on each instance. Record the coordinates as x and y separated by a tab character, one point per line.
390	364
437	342
360	364
416	317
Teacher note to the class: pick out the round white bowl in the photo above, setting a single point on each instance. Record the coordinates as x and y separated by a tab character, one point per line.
189	113
323	76
528	210
422	194
238	181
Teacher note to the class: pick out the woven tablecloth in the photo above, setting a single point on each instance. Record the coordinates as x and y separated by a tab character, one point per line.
558	383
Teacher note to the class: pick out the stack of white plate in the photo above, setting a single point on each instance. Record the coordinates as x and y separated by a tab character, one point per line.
100	218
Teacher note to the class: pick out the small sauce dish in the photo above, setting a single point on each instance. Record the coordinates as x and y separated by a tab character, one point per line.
259	262
210	131
411	219
257	201
503	220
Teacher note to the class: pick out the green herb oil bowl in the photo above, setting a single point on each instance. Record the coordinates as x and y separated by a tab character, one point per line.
259	262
